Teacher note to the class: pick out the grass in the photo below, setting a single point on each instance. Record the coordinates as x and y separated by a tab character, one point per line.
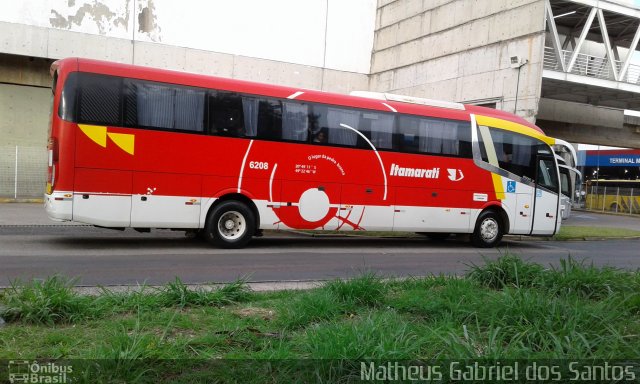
506	308
53	300
568	232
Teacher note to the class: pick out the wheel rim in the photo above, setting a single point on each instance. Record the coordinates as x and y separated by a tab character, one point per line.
232	225
489	229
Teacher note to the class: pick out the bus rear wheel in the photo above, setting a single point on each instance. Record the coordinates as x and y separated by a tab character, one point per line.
231	224
489	230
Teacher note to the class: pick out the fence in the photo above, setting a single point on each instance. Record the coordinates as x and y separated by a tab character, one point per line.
23	172
613	199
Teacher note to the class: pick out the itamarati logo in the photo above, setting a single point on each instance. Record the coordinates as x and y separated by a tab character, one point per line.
431	173
33	372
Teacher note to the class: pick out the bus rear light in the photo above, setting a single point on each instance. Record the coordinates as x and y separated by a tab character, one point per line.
52	154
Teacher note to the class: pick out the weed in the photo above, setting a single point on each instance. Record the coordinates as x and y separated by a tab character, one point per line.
47	301
588	281
315	306
176	293
366	290
507	270
373	335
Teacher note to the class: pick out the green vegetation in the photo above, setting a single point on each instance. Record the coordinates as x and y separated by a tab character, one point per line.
507	308
580	233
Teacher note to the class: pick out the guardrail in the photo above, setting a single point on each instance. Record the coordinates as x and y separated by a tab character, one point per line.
590	65
613	199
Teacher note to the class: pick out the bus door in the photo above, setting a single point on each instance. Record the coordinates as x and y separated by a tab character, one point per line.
524	207
546	197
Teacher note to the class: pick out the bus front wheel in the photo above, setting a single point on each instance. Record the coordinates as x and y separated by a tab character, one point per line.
231	224
489	230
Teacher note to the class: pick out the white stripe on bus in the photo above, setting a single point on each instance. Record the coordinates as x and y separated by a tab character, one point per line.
242	167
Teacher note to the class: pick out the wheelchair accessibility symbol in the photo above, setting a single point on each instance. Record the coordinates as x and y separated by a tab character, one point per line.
511	187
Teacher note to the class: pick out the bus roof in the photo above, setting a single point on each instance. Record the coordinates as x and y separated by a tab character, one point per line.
277	91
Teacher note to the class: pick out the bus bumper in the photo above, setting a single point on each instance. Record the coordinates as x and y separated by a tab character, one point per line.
59	206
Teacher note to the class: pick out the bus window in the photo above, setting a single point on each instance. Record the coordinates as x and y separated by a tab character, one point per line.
99	100
226	114
67	107
270	119
338	134
510	151
328	125
434	136
250	113
547	176
295	121
378	128
189	109
163	106
565	182
408	134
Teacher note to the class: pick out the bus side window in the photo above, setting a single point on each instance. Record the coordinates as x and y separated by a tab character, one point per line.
163	106
378	128
547	176
514	152
483	150
434	136
67	107
189	109
408	137
226	114
565	182
295	121
333	125
270	119
338	121
463	136
99	99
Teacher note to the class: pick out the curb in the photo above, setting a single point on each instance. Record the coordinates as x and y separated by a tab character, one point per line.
30	201
260	286
610	213
551	238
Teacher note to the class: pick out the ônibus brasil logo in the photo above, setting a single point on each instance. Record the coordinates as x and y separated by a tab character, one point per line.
454	174
33	372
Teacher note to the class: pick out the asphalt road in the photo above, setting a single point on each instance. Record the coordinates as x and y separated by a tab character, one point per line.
30	248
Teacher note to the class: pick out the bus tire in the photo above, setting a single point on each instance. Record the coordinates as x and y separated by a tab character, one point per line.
488	231
231	224
436	236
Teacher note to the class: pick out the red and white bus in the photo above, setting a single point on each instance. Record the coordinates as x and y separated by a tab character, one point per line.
146	148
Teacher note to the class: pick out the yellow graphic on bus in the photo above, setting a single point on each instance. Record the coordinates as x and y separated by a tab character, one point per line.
98	134
124	141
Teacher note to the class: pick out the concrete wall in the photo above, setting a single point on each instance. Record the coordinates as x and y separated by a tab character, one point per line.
24	118
459	50
587	124
333	34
